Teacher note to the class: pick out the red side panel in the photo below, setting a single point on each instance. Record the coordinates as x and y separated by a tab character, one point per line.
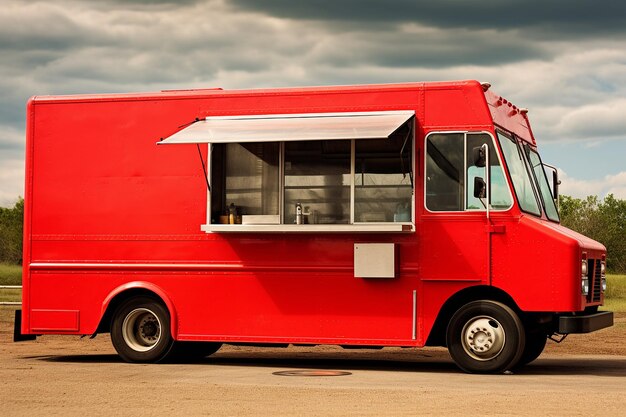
539	276
54	320
111	207
108	209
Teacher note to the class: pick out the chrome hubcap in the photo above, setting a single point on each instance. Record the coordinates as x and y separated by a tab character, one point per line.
483	338
141	329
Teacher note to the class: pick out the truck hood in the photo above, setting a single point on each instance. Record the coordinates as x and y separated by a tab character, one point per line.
584	242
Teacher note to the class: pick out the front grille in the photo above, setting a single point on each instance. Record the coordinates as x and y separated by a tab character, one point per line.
594	273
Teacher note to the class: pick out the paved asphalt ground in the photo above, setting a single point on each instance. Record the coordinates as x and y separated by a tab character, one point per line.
68	376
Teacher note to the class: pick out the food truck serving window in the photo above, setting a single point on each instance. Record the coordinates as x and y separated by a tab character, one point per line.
308	172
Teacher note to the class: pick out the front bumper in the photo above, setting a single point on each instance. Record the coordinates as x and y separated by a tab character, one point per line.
586	323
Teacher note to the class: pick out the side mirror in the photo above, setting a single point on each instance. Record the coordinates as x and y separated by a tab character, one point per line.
480	156
555	181
555	184
480	188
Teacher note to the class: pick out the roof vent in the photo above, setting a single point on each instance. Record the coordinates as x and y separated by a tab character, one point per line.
485	86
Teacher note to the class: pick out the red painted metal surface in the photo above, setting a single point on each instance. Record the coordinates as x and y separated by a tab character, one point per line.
108	210
508	116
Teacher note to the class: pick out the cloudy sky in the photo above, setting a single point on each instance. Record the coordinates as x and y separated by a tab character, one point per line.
564	60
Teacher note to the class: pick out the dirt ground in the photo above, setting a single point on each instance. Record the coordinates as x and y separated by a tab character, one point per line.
57	375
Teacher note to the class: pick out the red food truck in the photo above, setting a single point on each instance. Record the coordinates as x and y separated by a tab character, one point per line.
409	215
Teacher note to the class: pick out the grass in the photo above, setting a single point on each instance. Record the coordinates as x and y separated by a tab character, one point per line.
10	274
615	297
10	295
615	294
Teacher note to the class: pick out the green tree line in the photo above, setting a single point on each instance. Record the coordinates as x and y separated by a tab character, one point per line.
603	220
11	227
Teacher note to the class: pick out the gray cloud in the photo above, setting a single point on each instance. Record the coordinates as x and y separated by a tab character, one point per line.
585	17
153	2
78	47
414	46
528	51
137	4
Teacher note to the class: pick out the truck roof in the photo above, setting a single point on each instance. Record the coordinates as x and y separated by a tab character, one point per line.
503	112
195	92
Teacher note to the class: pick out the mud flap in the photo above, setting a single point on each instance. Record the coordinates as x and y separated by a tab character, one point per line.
17	329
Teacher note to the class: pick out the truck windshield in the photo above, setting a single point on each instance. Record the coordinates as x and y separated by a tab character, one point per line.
543	186
522	182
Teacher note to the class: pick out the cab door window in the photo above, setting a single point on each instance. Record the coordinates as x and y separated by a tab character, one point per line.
450	173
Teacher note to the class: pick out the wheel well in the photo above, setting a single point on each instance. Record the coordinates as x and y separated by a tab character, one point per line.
437	336
105	322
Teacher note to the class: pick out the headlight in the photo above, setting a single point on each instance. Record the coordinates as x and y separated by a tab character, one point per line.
603	284
584	286
583	268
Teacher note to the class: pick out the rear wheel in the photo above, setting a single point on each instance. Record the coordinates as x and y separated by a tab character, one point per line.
190	351
485	337
140	331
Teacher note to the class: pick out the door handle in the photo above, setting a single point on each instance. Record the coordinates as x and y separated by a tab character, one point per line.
496	228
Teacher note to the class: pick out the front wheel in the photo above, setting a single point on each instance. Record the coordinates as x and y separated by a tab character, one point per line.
485	337
140	331
535	344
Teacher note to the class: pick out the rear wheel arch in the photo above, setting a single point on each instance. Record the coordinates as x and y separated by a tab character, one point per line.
131	290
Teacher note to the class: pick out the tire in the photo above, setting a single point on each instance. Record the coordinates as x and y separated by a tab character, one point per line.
140	331
535	343
192	351
485	337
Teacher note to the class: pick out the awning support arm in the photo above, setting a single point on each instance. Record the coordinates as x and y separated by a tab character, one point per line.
206	175
406	140
197	119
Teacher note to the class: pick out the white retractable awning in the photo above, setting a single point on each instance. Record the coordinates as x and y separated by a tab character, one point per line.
292	127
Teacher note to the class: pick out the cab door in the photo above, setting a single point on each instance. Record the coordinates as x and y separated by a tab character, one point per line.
455	230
